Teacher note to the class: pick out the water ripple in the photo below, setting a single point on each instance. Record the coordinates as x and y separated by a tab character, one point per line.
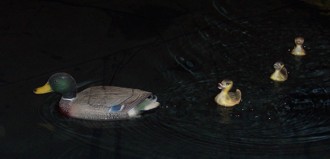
248	126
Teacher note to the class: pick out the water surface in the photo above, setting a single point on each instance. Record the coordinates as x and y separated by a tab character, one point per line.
182	65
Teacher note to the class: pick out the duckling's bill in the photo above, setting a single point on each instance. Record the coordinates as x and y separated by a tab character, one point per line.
43	89
221	86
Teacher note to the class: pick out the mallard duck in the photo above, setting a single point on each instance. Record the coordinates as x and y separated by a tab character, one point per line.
298	50
98	102
280	74
226	98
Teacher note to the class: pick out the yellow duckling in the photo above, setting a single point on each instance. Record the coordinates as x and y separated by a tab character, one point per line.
280	74
298	50
226	98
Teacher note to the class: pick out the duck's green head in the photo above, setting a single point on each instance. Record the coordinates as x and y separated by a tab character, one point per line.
62	83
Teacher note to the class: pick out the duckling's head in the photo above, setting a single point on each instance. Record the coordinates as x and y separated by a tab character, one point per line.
299	40
278	65
225	84
62	83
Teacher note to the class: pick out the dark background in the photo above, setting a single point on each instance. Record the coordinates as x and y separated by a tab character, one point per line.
151	45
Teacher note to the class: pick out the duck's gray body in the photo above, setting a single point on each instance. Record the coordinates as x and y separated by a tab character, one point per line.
98	103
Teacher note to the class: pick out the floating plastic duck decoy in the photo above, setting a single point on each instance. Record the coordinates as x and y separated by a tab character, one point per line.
280	74
98	102
298	50
226	98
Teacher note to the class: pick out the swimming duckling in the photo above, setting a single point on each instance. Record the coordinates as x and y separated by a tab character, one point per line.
98	102
298	50
226	98
280	74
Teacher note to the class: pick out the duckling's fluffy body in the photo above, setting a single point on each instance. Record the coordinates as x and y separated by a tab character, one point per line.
298	49
226	98
280	74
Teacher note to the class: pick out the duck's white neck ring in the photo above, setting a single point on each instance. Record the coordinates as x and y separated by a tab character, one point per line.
69	99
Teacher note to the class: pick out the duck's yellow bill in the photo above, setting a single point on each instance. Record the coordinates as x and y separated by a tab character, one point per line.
43	89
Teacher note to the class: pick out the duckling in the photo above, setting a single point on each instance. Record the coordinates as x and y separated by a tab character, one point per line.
280	74
98	102
298	50
226	98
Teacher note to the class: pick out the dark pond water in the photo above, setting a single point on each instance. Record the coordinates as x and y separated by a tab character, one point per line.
180	59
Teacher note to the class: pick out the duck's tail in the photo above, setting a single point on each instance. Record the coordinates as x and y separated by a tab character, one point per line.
147	104
238	95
